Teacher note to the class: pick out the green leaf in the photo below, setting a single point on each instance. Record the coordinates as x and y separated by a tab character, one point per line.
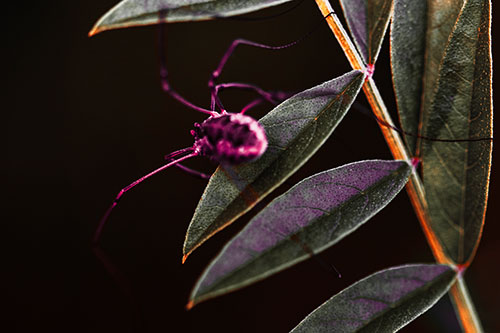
367	21
383	302
419	34
130	13
456	174
295	130
313	215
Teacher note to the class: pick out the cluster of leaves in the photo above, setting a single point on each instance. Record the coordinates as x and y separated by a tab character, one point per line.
441	62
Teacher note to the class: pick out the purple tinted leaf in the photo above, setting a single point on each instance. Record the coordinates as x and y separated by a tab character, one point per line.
313	215
295	130
382	302
368	21
130	13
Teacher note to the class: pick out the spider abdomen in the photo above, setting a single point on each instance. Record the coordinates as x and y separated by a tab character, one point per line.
230	138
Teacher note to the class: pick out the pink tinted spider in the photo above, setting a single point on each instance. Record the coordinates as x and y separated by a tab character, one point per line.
227	138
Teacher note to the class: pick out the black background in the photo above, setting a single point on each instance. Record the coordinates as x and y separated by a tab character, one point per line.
86	116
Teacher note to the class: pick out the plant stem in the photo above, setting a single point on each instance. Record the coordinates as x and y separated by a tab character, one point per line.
415	189
464	307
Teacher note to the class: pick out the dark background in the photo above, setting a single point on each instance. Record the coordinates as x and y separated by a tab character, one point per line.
86	116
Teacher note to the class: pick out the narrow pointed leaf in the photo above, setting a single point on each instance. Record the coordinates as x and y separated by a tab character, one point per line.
382	302
420	31
129	13
295	130
408	31
456	174
313	215
368	21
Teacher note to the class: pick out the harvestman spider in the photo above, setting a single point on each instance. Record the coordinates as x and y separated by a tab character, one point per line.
225	137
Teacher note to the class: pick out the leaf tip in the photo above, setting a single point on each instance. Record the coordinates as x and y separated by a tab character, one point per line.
94	31
184	257
190	305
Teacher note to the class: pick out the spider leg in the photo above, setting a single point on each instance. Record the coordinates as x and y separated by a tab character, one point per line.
170	157
124	190
273	97
190	171
193	172
252	104
217	72
165	84
123	285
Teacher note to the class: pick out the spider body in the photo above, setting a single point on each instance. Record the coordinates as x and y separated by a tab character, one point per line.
230	138
226	138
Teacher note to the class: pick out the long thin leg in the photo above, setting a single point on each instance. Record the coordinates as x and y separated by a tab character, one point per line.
310	252
272	97
104	218
217	72
252	104
165	85
190	171
123	284
366	111
193	172
170	157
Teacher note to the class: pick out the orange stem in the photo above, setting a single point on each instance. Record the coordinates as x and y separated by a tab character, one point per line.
464	307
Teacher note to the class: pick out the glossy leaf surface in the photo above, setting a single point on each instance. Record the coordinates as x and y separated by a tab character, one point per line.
456	174
383	302
295	130
368	21
129	13
419	34
313	215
